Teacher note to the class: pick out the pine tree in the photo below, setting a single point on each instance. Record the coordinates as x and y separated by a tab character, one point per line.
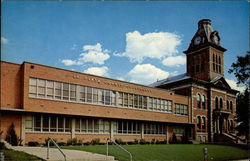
11	136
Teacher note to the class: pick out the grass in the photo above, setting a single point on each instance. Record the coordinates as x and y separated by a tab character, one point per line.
19	156
174	152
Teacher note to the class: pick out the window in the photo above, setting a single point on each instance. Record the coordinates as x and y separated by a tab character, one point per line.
65	91
72	92
228	107
89	94
181	109
154	128
101	94
41	88
197	68
50	89
128	127
113	98
216	103
107	97
136	102
28	123
140	102
58	90
192	69
61	124
125	99
198	123
32	87
231	105
130	100
145	102
203	101
46	122
150	103
120	99
82	96
221	103
198	97
77	125
37	123
203	124
202	67
53	124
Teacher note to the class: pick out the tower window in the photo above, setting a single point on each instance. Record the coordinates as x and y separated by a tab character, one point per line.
202	67
197	68
192	69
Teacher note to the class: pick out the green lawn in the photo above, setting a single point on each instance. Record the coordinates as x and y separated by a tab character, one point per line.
174	152
19	156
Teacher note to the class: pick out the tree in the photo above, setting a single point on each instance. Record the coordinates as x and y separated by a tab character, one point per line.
241	70
11	136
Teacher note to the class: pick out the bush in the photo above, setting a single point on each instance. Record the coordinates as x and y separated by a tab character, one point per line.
142	141
87	143
153	141
47	139
62	144
72	141
80	142
95	141
11	136
33	143
120	141
2	146
130	142
136	141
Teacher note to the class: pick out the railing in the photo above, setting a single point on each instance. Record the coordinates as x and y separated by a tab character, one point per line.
110	140
51	140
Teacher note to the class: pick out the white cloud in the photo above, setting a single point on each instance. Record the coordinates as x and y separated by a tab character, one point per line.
121	79
146	74
174	61
93	53
4	40
233	84
152	45
68	62
100	71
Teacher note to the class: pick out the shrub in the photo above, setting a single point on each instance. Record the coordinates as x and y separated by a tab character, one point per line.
47	139
80	142
158	142
130	142
72	141
153	141
62	143
33	143
2	146
120	141
95	141
142	141
11	136
87	143
136	141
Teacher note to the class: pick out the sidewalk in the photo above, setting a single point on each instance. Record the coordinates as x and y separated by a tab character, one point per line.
55	155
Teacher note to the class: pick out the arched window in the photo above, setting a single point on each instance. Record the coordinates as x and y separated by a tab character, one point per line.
203	124
213	58
198	122
216	103
221	103
231	105
219	60
216	59
203	101
198	101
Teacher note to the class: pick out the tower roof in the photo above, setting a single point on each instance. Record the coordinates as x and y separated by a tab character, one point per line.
204	36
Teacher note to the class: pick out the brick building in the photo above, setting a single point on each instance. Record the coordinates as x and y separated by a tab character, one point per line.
44	101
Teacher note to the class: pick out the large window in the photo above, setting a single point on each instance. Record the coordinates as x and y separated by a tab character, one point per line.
181	109
47	89
154	128
127	127
48	123
198	100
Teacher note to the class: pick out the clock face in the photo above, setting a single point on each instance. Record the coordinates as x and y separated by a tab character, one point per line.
197	40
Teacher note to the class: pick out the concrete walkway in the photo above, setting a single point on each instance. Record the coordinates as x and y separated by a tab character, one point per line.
55	155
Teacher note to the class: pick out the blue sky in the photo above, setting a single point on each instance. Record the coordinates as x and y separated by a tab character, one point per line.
133	41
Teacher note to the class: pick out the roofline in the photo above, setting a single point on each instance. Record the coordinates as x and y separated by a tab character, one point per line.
91	75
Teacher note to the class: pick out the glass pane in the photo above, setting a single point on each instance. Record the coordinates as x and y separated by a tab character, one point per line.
45	123
41	82
53	123
37	123
107	97
89	94
32	81
60	124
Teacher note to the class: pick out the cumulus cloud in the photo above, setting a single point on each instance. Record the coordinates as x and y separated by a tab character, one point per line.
92	53
69	62
233	85
146	74
100	71
4	40
150	45
174	61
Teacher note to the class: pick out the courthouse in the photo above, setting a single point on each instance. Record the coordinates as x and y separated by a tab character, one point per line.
43	101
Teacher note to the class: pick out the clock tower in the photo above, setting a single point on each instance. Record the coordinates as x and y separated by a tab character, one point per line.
204	54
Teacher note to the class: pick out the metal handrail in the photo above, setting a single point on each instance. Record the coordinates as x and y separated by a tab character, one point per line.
52	140
110	140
